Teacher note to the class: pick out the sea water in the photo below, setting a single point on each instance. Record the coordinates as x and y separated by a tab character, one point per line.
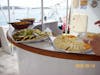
17	14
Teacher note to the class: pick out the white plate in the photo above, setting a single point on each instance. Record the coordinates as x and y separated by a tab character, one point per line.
82	52
28	41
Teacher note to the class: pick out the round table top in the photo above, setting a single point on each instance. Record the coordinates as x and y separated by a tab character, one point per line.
45	48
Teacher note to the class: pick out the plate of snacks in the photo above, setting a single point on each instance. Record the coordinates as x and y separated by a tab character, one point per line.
29	35
70	44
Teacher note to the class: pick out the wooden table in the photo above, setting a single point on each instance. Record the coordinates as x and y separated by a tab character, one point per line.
45	48
42	59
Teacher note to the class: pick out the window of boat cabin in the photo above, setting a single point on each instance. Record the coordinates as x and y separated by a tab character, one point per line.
19	9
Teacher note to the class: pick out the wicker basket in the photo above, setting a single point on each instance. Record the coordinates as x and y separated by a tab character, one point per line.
20	25
32	20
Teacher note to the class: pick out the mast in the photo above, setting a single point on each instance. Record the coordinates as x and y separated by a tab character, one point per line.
66	29
43	27
8	11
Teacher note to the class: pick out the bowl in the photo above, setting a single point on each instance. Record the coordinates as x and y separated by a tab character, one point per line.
20	25
32	20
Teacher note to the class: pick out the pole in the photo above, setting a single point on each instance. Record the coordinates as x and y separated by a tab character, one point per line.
8	11
8	1
43	27
66	29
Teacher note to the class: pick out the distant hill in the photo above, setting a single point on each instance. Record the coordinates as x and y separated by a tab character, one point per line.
17	7
40	7
6	7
